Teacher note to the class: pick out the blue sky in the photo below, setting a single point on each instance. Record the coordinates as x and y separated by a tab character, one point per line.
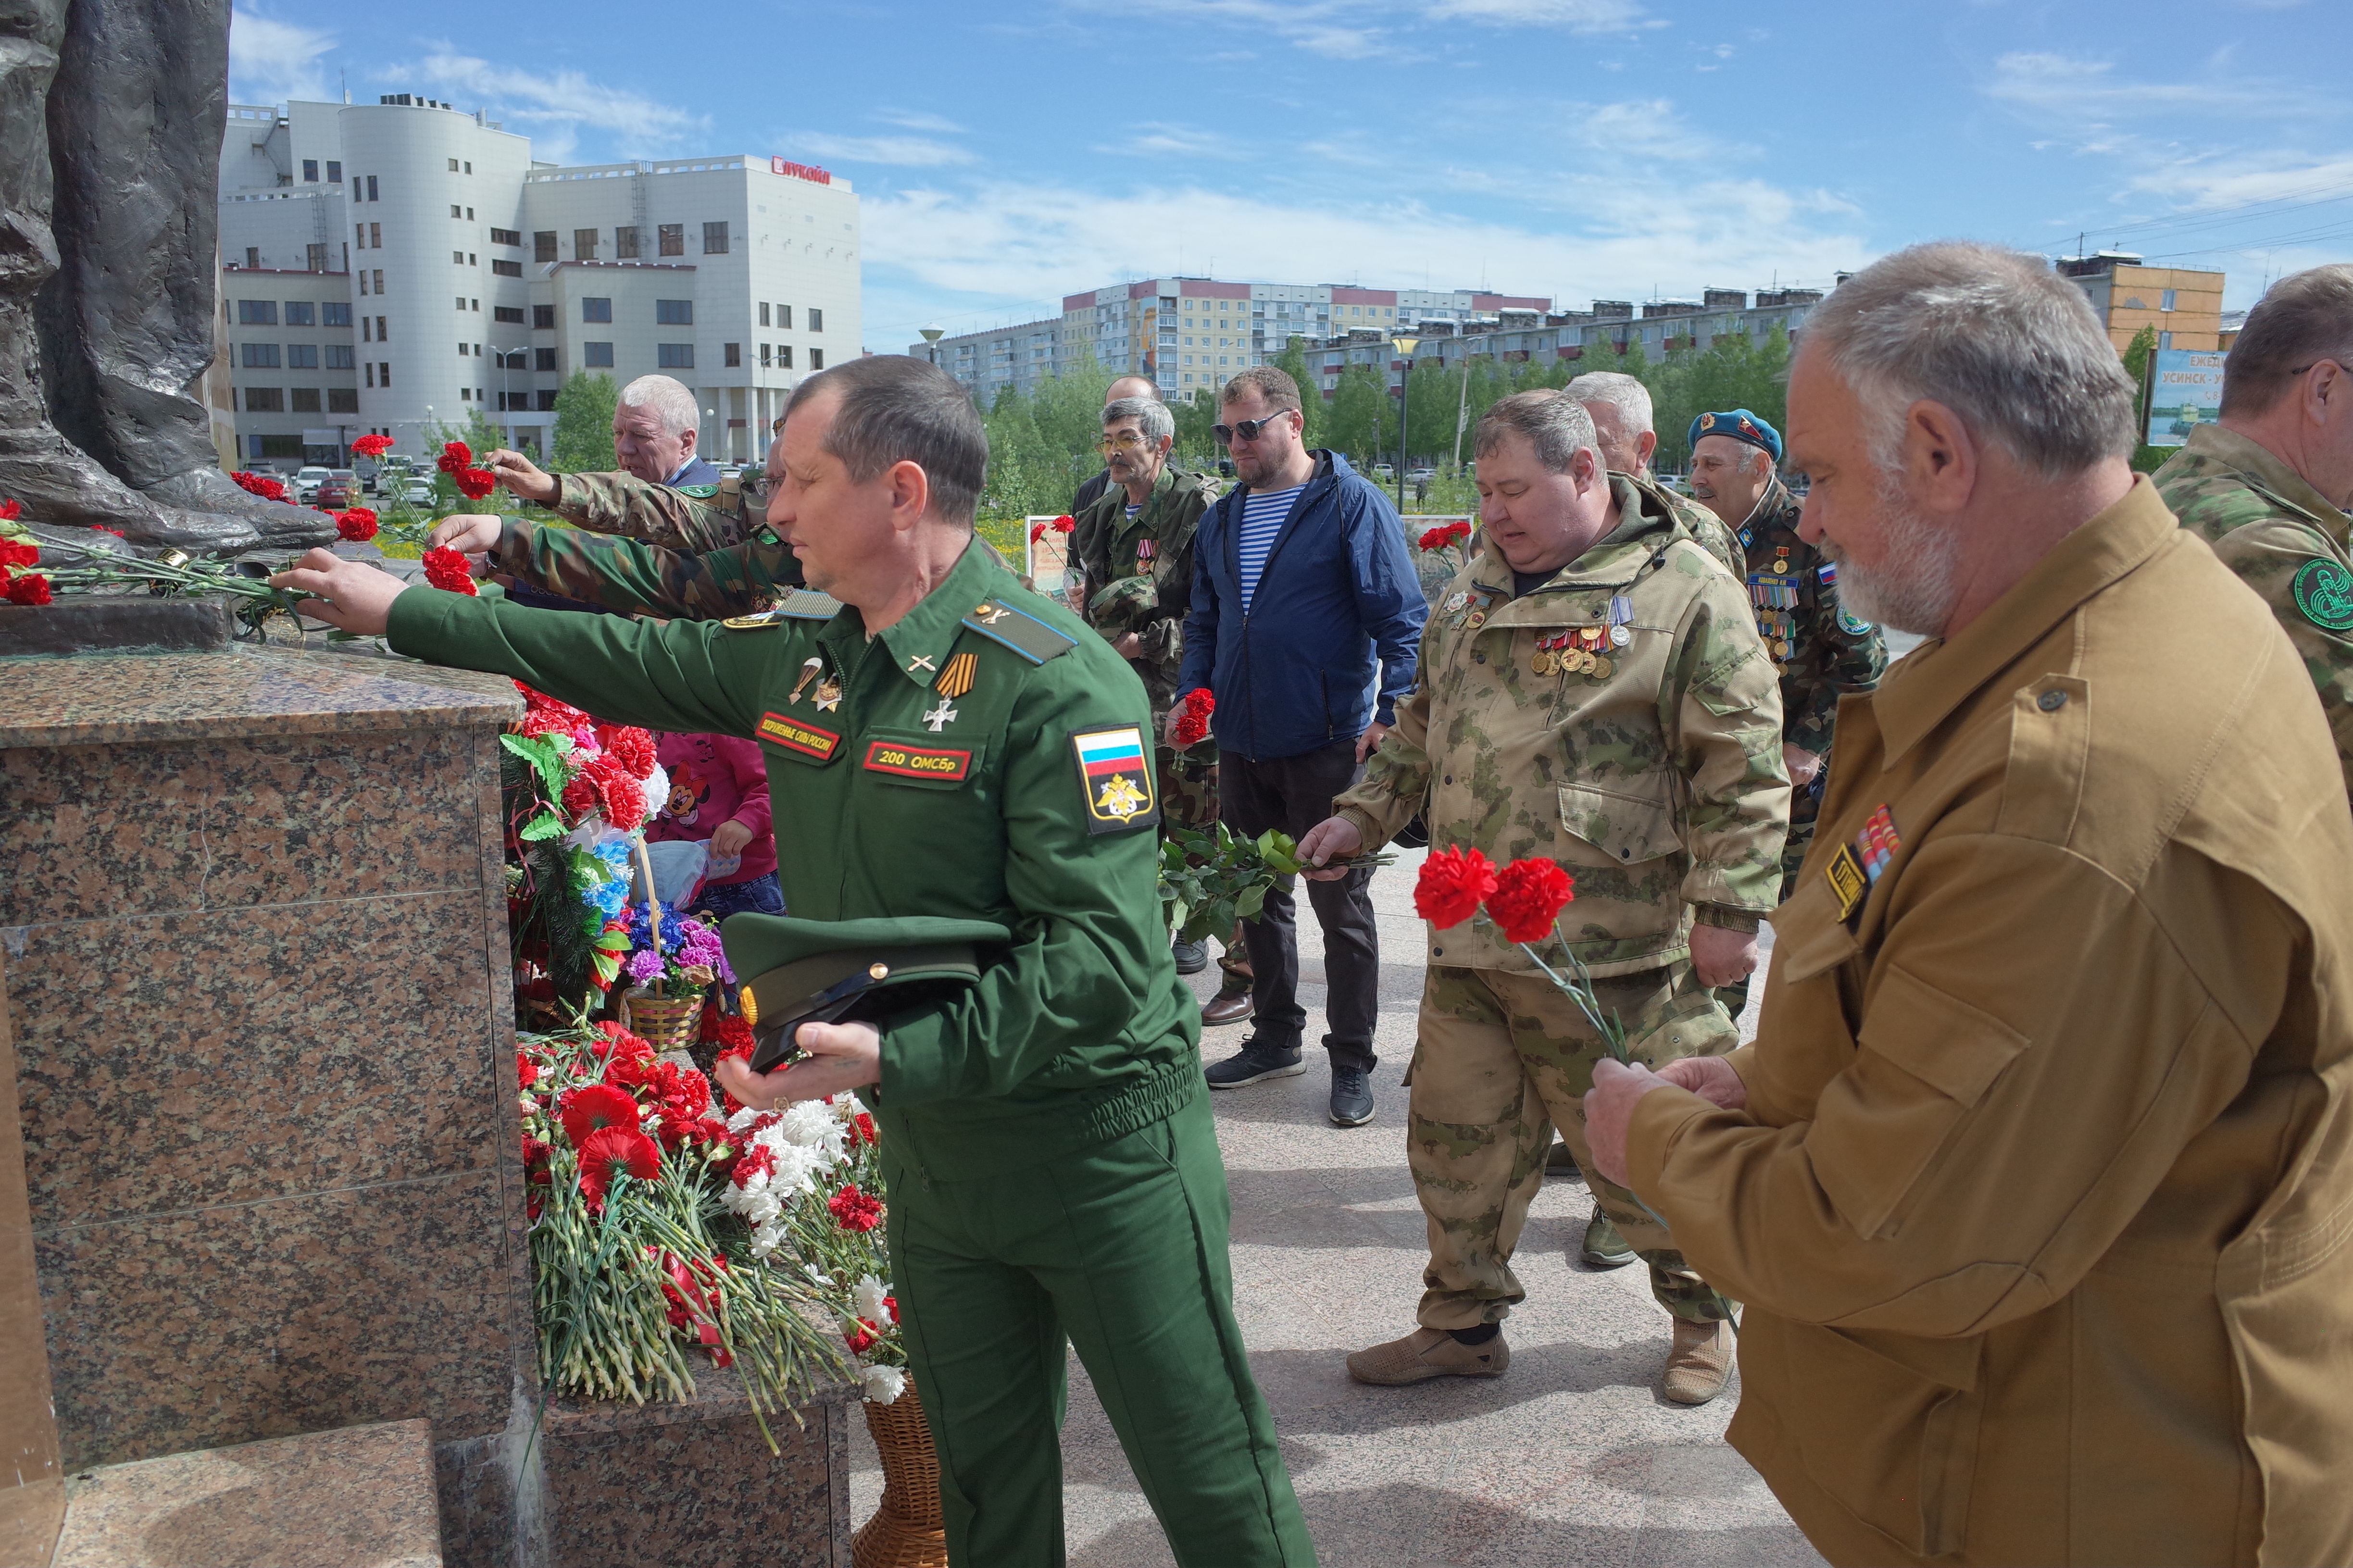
1622	149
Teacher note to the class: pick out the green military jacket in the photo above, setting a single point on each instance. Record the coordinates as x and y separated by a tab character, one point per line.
697	518
1026	799
1138	573
1822	651
1620	719
2286	542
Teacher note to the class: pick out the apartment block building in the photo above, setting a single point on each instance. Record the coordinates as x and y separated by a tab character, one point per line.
478	278
1190	333
2183	306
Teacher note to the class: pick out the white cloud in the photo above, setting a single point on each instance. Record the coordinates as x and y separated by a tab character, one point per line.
917	120
1161	136
2075	89
1647	129
1028	244
909	152
1574	16
558	106
272	62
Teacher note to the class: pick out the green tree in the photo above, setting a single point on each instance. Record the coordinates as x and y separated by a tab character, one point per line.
1293	363
2140	356
581	442
1361	419
1067	409
1196	447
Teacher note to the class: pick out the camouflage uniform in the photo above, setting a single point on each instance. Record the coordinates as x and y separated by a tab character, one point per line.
1822	651
1136	575
2286	542
1649	763
1708	528
641	577
695	518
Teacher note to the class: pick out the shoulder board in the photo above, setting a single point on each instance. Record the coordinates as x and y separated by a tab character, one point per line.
698	492
1024	633
808	604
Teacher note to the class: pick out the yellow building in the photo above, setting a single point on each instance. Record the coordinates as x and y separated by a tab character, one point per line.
2184	306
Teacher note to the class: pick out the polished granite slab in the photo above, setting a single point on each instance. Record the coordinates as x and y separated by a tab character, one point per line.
361	1497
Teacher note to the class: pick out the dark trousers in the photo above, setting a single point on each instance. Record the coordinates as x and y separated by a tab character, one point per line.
1292	795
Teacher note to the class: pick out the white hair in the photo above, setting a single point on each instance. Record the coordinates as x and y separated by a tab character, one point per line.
667	399
1624	392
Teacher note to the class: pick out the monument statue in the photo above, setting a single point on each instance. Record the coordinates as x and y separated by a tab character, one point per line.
111	113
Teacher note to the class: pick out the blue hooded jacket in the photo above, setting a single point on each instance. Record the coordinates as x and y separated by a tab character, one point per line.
1339	593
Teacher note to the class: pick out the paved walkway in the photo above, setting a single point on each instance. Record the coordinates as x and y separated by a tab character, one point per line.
1569	1458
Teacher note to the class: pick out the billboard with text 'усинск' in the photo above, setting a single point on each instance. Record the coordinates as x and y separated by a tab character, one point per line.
2185	393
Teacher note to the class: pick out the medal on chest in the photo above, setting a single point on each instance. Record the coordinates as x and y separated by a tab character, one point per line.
1774	596
1856	867
1146	549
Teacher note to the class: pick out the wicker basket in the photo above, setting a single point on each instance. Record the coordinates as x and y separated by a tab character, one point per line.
905	1531
667	1023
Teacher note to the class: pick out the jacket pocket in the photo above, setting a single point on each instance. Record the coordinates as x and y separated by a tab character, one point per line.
1892	1445
1617	830
1927	1060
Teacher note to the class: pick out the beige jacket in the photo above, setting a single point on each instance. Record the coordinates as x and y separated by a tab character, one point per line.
2041	1198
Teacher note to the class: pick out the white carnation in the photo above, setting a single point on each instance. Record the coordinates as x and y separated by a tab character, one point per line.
811	1125
867	1293
767	1238
883	1384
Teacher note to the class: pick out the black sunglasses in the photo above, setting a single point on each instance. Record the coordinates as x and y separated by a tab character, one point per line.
1248	429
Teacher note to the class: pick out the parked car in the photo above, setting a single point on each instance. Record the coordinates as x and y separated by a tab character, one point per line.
337	491
1383	471
306	485
1421	475
416	491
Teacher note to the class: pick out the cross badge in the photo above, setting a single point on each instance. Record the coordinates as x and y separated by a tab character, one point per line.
920	662
939	716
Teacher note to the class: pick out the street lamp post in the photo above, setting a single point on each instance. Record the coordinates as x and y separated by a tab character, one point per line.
1405	347
931	336
712	415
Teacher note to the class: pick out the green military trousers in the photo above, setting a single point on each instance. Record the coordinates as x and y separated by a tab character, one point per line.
1119	1249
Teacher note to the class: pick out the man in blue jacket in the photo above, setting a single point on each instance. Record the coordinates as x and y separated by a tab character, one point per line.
1305	618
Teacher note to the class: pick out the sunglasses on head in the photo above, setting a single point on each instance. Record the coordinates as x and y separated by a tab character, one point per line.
1244	429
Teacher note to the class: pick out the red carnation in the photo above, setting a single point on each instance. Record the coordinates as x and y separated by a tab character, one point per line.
631	747
618	1044
262	484
101	527
861	1339
1036	531
1432	539
29	590
862	1129
15	552
10	510
525	1073
371	445
854	1210
1064	523
475	483
614	1153
455	456
1193	724
590	1110
1527	899
447	569
1451	884
891	1304
758	1160
358	524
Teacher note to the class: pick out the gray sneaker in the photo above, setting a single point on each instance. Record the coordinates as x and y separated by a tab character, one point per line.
1192	957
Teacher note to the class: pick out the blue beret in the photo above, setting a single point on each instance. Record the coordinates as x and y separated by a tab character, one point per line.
1741	426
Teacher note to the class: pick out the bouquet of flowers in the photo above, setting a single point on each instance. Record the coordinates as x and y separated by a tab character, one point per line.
638	1257
1446	542
807	1181
170	571
1193	718
1212	878
1523	900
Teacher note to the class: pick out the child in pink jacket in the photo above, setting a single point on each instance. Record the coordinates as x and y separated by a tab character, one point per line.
719	796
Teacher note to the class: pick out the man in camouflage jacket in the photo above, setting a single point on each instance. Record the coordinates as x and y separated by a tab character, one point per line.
1609	709
1821	650
1132	549
2266	486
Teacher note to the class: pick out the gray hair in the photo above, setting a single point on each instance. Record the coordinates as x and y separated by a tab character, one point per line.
667	399
1993	335
1151	416
1555	422
2303	319
1624	392
895	409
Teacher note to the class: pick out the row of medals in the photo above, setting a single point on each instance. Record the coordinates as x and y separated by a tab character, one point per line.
1579	652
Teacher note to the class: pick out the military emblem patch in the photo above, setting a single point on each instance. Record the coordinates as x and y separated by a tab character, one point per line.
1854	625
1115	778
1844	874
2324	592
798	735
917	761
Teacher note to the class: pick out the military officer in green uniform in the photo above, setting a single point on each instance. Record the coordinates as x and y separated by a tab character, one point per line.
948	745
1133	552
2267	483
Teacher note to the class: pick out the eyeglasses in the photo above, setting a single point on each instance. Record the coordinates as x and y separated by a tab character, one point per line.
1125	441
1245	429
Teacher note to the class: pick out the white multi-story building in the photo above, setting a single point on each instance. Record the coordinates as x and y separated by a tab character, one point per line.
1190	333
479	280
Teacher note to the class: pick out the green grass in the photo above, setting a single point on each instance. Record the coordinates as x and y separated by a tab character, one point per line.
1005	534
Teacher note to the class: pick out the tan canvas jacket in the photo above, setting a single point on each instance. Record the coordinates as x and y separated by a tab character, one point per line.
2042	1197
1656	779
